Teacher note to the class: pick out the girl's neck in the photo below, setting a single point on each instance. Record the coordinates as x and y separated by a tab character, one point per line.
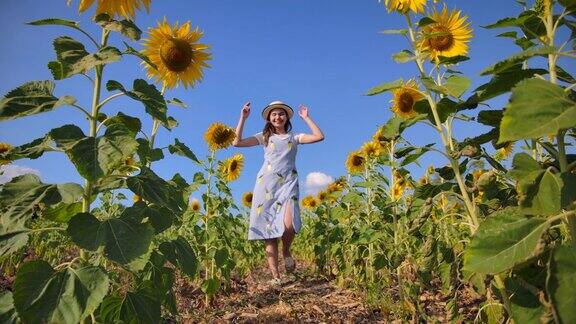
279	131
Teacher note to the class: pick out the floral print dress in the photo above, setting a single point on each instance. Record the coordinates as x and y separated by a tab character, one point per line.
276	187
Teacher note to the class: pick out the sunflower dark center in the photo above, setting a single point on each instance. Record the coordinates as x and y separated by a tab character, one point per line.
357	160
441	38
233	166
406	102
176	54
249	198
220	137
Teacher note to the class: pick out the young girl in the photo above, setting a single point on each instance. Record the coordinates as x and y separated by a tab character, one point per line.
275	210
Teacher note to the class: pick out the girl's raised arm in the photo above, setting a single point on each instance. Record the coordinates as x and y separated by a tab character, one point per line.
238	141
316	135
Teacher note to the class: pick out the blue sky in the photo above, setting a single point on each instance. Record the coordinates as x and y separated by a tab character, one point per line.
322	53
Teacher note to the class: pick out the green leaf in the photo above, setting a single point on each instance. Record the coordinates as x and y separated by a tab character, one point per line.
181	149
510	34
62	212
181	255
72	58
445	107
452	59
525	306
55	21
42	294
161	218
456	85
126	239
505	240
132	124
425	22
544	198
131	51
210	286
155	190
395	32
503	82
528	21
125	27
416	155
564	76
146	154
385	87
490	117
432	86
97	157
561	283
537	108
146	93
513	60
8	313
404	56
429	190
141	306
177	102
31	98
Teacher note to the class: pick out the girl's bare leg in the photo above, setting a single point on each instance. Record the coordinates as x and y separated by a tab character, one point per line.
272	256
288	235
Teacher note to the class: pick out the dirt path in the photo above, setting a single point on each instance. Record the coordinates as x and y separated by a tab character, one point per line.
303	298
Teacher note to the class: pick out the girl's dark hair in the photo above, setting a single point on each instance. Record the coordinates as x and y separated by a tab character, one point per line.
269	129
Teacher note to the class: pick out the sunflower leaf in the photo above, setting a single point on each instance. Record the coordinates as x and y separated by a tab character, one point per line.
131	51
147	94
44	295
425	22
561	281
55	21
180	148
517	58
503	82
453	59
404	56
72	58
31	98
394	31
384	87
125	27
456	85
509	34
536	108
177	102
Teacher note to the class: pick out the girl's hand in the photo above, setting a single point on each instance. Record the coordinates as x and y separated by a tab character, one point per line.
303	111
245	110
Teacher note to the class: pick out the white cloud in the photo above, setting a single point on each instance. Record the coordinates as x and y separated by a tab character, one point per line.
316	181
9	171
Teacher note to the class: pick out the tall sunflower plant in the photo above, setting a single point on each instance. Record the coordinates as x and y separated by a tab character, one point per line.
519	218
113	153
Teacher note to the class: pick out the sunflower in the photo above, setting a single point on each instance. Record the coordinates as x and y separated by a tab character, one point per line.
476	174
177	55
195	205
247	199
372	149
336	186
310	202
403	6
404	99
355	162
219	136
125	8
380	139
504	152
447	36
231	168
136	198
4	147
398	190
322	195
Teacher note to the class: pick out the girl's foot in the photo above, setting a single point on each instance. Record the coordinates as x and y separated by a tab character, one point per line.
289	264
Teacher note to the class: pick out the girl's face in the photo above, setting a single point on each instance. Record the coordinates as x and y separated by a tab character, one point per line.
278	117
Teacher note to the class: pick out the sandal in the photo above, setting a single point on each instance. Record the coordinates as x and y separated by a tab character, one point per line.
289	264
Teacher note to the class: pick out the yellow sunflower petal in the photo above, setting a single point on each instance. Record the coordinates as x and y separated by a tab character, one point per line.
219	136
404	99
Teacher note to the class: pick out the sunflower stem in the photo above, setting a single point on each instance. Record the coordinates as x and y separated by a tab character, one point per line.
99	70
445	137
208	266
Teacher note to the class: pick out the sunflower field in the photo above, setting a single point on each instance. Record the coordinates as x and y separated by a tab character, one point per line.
491	232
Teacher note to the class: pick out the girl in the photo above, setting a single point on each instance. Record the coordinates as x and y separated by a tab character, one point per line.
275	211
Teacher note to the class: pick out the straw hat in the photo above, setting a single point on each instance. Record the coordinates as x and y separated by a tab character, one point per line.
274	105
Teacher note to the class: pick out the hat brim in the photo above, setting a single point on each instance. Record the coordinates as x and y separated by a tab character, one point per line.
269	108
